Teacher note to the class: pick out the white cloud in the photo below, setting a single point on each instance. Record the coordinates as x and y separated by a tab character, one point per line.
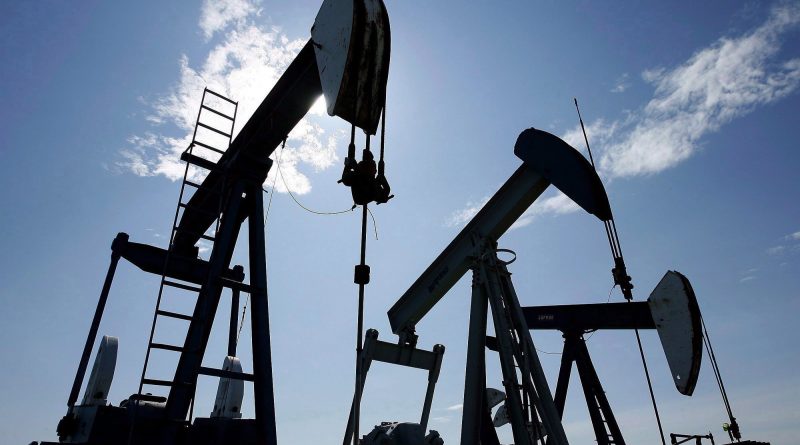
309	149
461	216
652	74
134	161
749	275
457	407
791	247
621	84
216	15
602	133
243	65
776	250
558	204
726	80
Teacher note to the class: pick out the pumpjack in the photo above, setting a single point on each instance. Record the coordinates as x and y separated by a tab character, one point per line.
527	402
671	309
547	160
347	61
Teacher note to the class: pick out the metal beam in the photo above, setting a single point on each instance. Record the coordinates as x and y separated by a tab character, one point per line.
263	391
154	260
502	210
182	388
588	317
604	422
402	355
288	101
405	356
472	411
98	316
546	159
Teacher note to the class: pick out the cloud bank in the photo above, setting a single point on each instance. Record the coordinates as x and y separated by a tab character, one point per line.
216	15
244	63
726	80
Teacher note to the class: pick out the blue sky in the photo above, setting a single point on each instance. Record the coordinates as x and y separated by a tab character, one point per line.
691	110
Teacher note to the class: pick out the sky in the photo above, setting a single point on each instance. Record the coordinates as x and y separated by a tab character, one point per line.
690	109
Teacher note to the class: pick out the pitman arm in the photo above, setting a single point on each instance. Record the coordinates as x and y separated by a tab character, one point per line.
546	160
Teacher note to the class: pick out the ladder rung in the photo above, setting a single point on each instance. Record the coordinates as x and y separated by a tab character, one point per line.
220	96
200	187
166	347
213	372
213	129
194	209
206	146
157	382
198	161
174	315
201	235
216	112
182	286
237	285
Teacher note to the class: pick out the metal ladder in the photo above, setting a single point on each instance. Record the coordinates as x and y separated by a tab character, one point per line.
197	154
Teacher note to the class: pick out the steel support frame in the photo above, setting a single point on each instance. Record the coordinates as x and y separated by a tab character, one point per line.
263	391
194	347
402	355
244	201
687	437
604	423
511	357
528	396
98	316
473	409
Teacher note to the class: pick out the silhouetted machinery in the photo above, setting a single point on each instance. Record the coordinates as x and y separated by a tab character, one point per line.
347	60
529	407
672	310
527	404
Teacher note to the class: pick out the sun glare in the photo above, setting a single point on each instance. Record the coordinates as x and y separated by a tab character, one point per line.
320	107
